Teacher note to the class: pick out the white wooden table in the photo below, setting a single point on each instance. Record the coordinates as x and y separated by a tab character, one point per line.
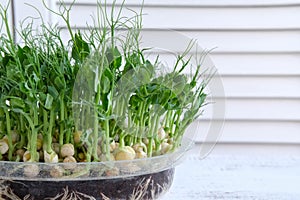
237	177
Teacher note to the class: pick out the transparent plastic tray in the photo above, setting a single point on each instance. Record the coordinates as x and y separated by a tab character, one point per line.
95	170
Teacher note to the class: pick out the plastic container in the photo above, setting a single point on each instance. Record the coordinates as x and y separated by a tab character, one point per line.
147	178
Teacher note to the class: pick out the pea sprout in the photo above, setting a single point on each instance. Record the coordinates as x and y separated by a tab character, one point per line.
93	98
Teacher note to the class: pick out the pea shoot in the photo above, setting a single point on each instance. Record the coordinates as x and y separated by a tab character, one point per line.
93	98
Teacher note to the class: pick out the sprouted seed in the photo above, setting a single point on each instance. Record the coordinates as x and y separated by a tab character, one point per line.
125	153
57	171
50	157
67	150
3	147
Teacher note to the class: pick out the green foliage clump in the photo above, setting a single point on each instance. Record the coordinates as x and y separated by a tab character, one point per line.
95	90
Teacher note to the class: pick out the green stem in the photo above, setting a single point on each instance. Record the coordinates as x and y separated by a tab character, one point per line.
9	138
49	132
154	123
2	124
62	119
45	121
177	121
96	126
168	119
22	133
107	142
141	111
32	140
121	140
21	143
67	129
172	123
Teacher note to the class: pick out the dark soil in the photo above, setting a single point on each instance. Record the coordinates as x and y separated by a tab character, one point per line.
148	186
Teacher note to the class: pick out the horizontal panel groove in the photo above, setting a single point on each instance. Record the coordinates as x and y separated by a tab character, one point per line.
192	4
215	29
263	143
259	98
240	53
264	75
216	51
261	75
249	120
258	52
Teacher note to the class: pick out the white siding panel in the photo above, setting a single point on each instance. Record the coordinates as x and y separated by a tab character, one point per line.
250	132
262	86
257	64
235	41
263	109
258	109
228	41
203	17
248	64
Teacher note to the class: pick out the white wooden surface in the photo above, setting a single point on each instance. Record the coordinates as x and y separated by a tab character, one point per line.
237	177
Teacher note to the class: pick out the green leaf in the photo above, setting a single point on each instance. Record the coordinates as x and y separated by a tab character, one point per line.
114	58
42	96
49	101
6	59
17	102
53	92
105	84
60	83
80	49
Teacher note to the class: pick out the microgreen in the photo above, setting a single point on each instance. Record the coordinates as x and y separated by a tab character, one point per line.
95	90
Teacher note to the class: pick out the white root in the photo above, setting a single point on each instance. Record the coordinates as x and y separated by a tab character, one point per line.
71	195
7	193
139	192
